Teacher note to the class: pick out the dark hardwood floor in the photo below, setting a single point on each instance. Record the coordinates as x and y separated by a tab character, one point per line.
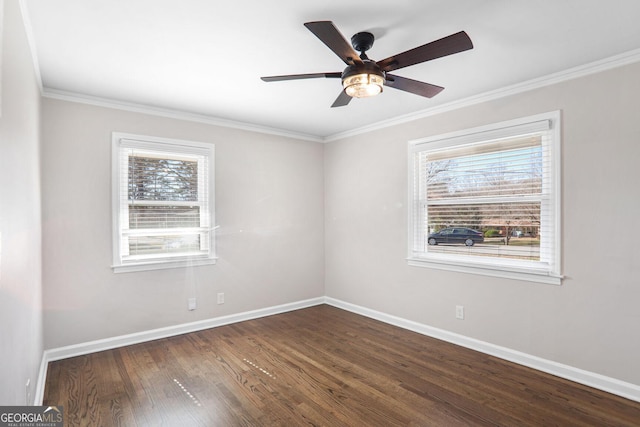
318	366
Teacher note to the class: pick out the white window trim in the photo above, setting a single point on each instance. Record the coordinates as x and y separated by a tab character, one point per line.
157	144
546	274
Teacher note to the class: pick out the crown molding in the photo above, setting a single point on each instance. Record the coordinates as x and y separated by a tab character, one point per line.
616	61
173	114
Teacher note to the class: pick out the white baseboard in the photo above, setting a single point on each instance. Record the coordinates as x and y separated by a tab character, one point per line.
591	379
42	378
60	353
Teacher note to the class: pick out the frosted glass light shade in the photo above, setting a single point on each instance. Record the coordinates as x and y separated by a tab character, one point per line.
363	85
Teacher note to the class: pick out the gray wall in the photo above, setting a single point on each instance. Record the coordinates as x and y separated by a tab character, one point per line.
269	205
20	234
592	321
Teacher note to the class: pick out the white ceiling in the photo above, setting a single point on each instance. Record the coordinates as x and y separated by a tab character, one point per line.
206	57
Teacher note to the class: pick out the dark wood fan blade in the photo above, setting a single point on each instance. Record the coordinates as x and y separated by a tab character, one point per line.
342	100
412	86
329	35
335	75
449	45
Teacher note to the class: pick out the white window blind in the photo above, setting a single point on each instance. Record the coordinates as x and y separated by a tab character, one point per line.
501	181
163	204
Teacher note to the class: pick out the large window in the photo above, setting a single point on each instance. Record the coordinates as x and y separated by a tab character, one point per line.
162	203
486	200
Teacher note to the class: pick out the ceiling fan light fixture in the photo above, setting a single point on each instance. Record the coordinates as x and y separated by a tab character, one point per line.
365	77
363	85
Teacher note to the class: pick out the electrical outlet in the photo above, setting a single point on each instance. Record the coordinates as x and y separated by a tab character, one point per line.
460	312
220	297
191	304
28	391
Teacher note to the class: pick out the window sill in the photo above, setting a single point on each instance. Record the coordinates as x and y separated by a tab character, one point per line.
161	265
493	271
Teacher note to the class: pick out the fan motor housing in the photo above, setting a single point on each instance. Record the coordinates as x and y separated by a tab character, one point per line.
367	67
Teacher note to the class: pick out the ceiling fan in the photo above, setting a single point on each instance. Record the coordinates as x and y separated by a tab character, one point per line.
365	77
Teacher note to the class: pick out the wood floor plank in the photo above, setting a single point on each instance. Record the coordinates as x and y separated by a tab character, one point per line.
319	366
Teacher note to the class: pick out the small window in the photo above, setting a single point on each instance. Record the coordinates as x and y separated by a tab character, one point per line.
486	200
162	203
